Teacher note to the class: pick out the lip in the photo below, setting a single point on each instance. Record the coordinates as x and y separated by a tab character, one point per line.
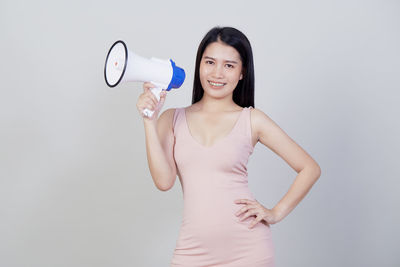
209	82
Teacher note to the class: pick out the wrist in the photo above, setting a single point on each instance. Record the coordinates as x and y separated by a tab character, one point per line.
149	122
279	212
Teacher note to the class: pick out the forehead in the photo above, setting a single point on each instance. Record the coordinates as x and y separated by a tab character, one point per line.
221	51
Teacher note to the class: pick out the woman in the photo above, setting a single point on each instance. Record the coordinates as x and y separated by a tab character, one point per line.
208	145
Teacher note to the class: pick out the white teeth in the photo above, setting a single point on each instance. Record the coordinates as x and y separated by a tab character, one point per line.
216	84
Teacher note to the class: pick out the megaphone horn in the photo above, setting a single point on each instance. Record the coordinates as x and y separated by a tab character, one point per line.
122	65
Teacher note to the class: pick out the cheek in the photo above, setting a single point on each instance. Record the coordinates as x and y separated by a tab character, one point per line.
203	71
235	76
203	75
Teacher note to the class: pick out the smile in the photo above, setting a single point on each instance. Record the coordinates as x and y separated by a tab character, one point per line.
216	84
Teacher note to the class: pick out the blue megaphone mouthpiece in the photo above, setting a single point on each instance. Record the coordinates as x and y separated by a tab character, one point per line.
178	76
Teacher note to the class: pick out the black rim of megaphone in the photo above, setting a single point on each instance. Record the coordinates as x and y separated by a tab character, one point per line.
126	59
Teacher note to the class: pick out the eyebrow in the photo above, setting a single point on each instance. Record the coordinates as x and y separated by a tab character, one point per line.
230	61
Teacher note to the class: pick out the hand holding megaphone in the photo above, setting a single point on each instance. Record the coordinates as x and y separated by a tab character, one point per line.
122	65
147	100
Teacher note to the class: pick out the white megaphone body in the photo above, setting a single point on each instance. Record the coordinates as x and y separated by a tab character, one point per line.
122	65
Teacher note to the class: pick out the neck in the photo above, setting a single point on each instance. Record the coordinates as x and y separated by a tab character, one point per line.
210	104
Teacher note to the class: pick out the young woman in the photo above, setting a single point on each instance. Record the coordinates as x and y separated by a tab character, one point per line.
208	145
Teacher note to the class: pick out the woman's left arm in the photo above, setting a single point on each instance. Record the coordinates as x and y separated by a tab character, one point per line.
273	137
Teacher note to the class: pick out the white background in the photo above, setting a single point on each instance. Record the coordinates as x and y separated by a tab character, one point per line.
75	189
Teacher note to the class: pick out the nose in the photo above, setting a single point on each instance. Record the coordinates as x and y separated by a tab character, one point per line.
218	71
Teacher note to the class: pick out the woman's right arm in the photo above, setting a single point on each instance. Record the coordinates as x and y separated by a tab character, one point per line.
159	140
159	147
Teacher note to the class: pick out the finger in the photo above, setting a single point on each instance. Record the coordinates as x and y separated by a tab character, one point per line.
152	95
149	105
151	101
241	210
255	221
151	98
244	201
245	208
248	214
162	99
147	86
241	201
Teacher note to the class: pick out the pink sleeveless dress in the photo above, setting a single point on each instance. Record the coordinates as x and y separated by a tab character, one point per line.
211	179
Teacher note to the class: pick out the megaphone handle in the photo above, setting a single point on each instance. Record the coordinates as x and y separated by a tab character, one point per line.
156	91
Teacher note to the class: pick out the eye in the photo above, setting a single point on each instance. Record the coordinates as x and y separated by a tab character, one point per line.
230	66
209	62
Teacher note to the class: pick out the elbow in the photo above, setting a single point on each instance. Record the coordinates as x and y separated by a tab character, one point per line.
166	180
317	171
313	169
166	186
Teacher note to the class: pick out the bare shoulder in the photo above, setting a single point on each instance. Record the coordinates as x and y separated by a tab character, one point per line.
258	114
165	119
261	122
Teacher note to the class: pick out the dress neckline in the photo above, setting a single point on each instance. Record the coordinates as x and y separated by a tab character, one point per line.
219	140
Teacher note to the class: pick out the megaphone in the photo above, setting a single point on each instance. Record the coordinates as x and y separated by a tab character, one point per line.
122	65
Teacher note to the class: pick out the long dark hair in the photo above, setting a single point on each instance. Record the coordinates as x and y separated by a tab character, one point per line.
243	95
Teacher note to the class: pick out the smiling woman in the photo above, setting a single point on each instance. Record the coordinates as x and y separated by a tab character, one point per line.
225	51
220	67
208	144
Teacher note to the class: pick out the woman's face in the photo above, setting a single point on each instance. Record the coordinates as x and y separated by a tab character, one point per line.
220	69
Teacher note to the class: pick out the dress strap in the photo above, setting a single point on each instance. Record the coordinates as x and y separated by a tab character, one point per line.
248	125
176	112
175	117
177	121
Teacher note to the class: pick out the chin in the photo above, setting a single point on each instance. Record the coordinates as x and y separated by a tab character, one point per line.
217	94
